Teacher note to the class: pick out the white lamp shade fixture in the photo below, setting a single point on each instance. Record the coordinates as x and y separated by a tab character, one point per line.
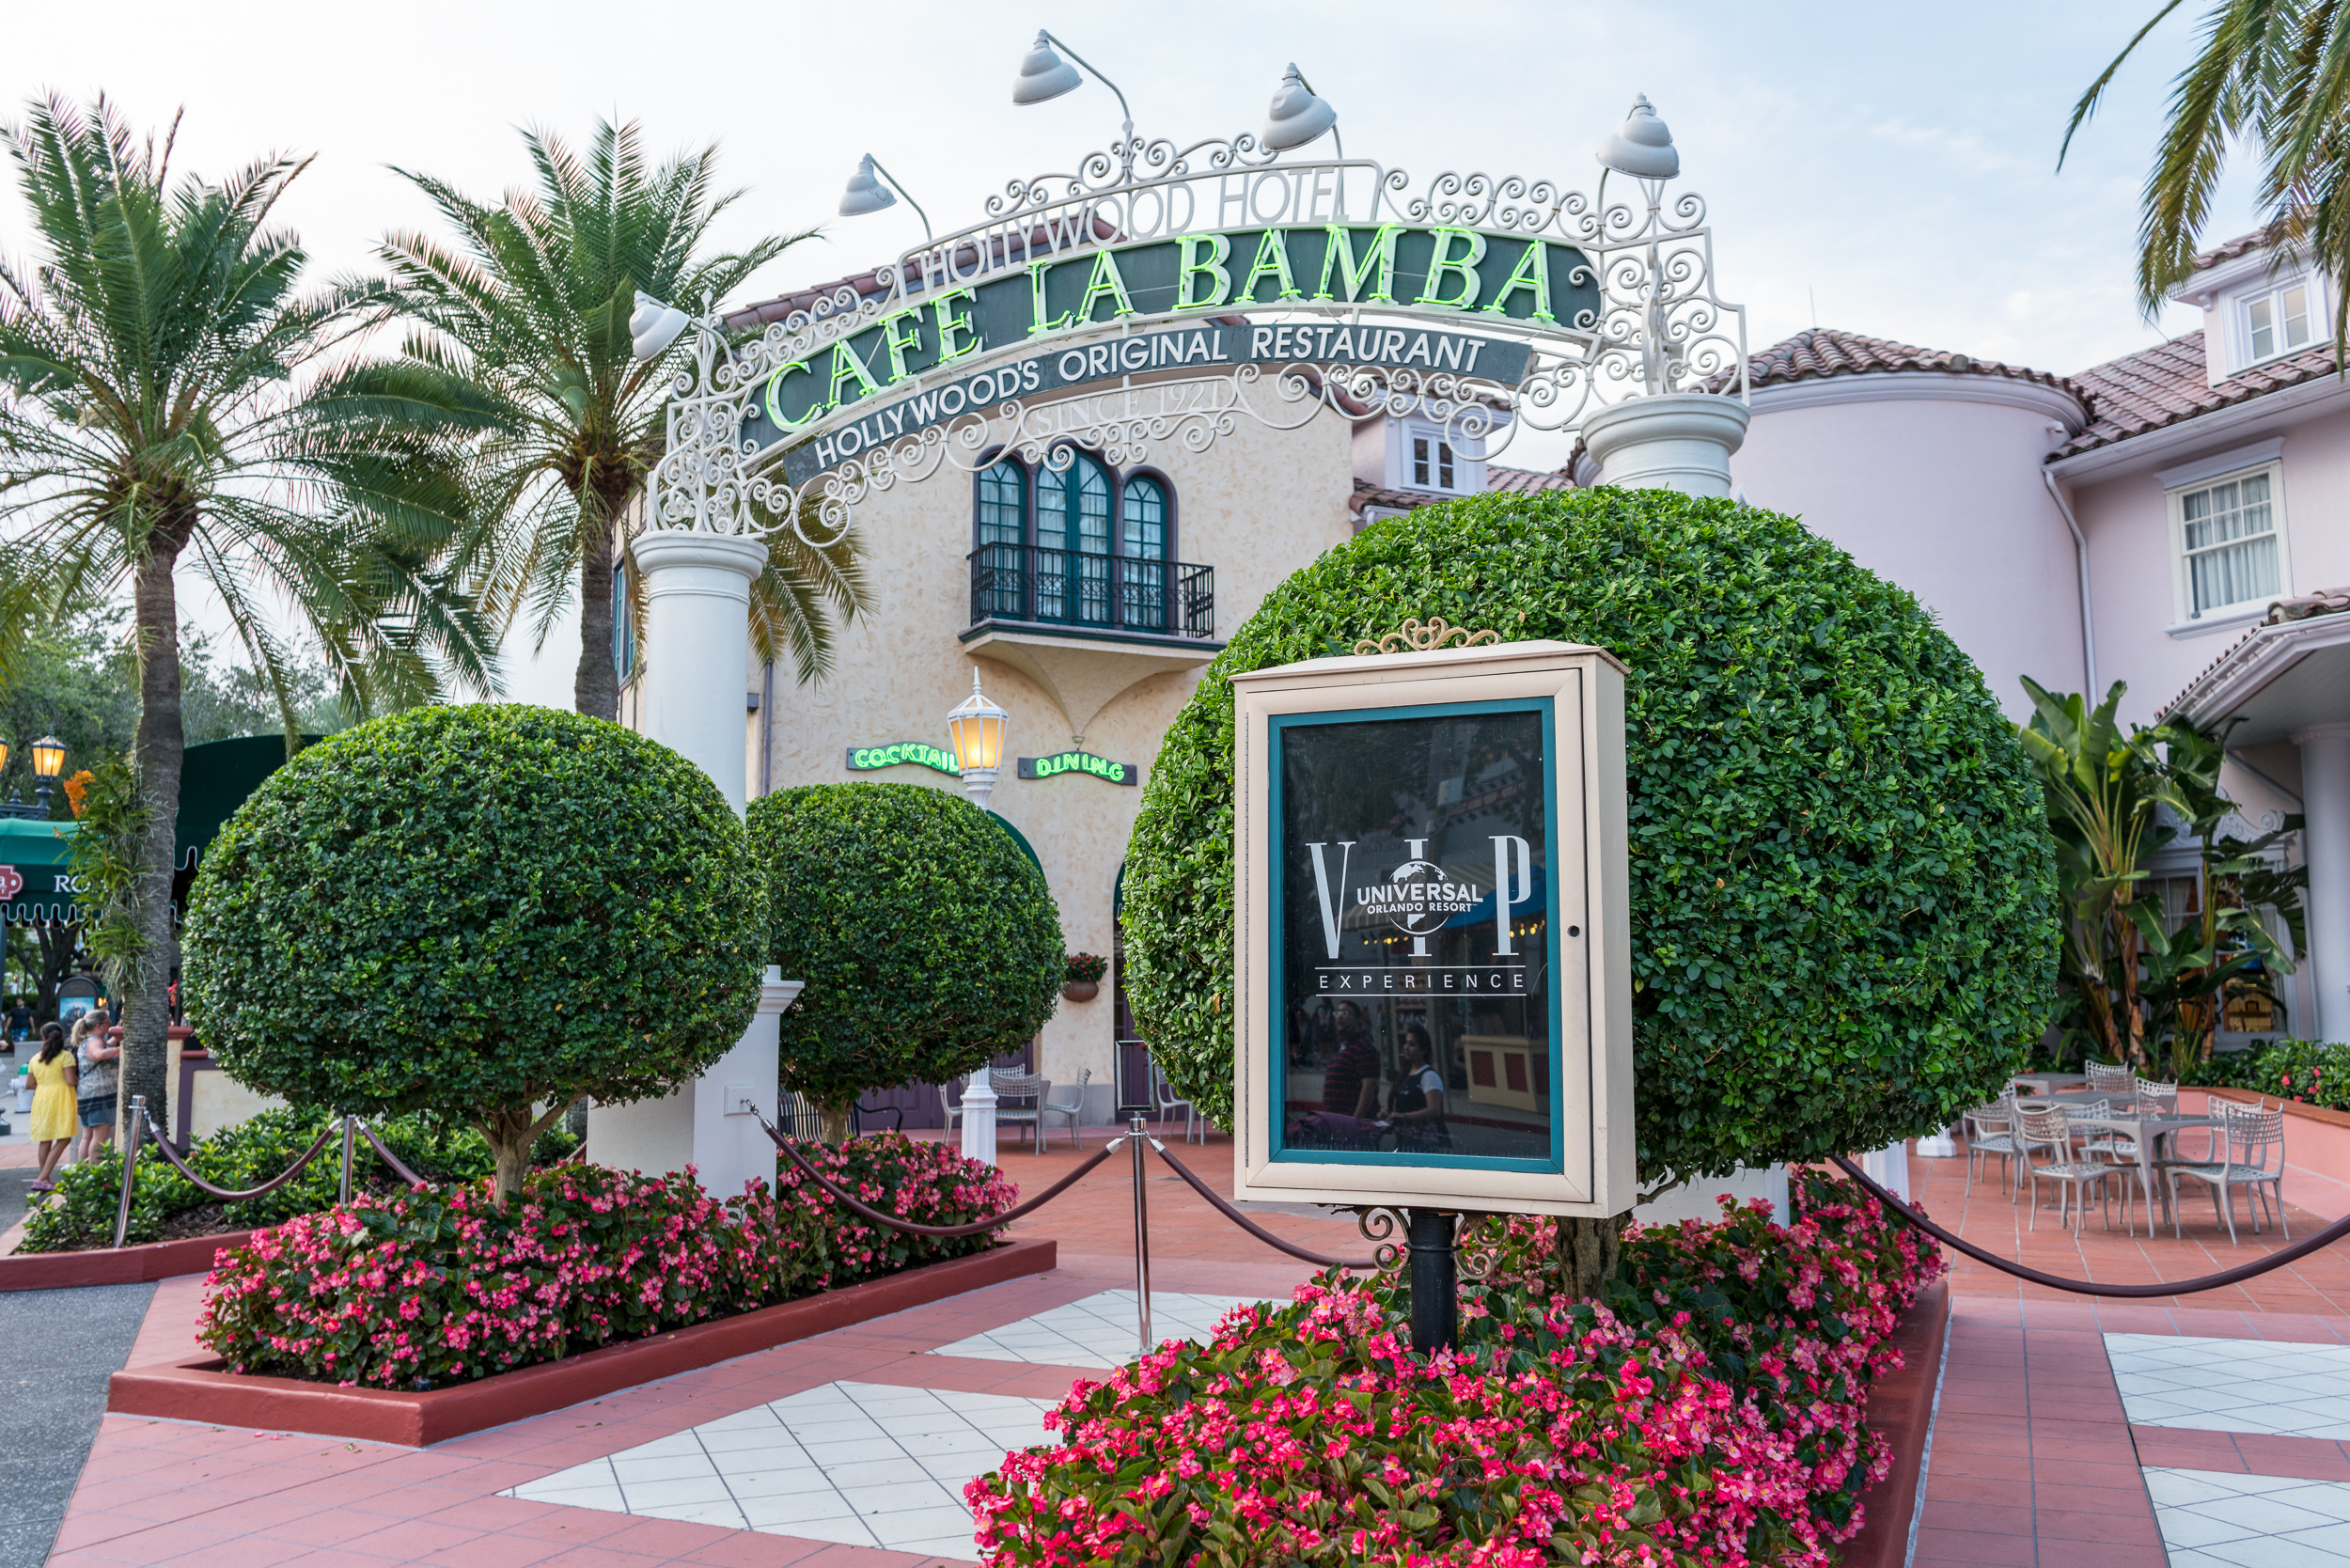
976	727
1044	74
654	326
1643	149
866	192
1295	117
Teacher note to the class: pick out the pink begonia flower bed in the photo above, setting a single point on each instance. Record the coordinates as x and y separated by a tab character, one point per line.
440	1285
1709	1414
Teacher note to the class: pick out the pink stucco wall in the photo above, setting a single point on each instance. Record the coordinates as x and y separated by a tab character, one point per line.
2127	520
1944	497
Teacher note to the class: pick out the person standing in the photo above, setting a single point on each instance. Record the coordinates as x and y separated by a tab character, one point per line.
1416	1104
1350	1080
20	1020
53	1072
99	1070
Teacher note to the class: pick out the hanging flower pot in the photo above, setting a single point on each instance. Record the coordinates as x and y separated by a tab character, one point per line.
1082	980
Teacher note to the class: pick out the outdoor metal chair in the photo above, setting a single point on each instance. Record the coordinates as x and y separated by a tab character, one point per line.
1166	1103
1991	1134
2104	1077
1070	1110
2051	1129
1027	1088
951	1109
2252	1146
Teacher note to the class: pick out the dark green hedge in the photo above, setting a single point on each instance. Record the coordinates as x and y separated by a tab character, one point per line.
1843	898
928	939
457	909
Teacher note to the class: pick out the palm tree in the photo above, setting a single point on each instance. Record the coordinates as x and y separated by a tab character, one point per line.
528	310
166	402
2276	72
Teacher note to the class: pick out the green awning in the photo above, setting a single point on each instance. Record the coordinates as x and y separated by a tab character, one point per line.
37	870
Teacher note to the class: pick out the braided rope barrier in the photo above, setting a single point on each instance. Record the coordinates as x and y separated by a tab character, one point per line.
2278	1259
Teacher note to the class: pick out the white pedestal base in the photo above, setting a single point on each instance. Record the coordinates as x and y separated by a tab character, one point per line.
978	1118
1699	1199
705	1124
1937	1146
1889	1168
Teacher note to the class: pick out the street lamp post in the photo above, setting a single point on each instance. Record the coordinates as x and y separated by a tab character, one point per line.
48	766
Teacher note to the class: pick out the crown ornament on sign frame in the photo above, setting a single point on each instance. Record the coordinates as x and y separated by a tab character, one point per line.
1418	636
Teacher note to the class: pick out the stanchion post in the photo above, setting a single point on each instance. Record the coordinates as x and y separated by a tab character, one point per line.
1432	1238
348	1131
129	1166
978	1117
1142	1239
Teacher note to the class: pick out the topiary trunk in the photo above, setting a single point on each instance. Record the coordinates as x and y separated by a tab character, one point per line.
1588	1250
833	1125
509	1131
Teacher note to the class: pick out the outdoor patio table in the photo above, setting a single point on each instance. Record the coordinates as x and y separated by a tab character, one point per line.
2045	1083
2072	1097
2147	1130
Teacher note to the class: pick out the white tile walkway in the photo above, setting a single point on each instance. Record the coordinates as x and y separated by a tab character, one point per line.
1099	1331
2209	1519
864	1463
2295	1391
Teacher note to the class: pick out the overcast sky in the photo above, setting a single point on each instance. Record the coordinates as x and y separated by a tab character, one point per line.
1885	170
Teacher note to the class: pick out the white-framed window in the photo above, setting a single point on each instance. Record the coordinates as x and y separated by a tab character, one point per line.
2279	318
1430	461
2230	537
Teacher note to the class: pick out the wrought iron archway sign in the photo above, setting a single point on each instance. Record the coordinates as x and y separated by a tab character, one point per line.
1165	294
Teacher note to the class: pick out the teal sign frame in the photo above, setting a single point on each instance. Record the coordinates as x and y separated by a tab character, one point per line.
1553	997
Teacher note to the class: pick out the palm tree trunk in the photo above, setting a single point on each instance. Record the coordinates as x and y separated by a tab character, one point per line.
157	751
596	686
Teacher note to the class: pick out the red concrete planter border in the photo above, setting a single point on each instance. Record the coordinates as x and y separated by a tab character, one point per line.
129	1265
200	1391
1902	1408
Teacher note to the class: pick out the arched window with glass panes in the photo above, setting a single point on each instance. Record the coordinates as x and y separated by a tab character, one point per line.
1073	542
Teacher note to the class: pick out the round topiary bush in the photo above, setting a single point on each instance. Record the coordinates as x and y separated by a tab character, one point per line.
1844	921
476	911
927	938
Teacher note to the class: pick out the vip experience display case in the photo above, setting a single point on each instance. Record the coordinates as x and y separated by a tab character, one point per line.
1432	964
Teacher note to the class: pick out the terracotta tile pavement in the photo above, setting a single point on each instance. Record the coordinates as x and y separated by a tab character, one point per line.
182	1494
2034	1461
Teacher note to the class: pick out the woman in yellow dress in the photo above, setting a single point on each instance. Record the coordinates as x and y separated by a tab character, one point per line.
53	1120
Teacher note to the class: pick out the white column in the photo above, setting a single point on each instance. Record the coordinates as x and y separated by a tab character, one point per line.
2326	808
1889	1168
1673	440
698	639
979	1118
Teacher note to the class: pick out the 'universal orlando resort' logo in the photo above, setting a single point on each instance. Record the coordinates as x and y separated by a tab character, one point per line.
1418	898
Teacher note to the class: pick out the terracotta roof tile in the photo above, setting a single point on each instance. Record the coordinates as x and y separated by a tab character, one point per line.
2168	382
1823	352
1498	477
2267	234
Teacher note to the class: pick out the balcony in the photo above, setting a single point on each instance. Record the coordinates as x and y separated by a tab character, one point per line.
1106	594
1086	627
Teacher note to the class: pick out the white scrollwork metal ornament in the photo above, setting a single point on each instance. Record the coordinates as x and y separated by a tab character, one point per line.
1658	326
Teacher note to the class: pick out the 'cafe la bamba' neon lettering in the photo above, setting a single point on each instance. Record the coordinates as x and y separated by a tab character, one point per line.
1461	273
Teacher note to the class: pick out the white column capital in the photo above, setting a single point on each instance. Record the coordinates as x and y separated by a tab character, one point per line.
662	551
2321	733
1673	440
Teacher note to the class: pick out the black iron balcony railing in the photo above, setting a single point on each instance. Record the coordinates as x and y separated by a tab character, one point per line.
1074	588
